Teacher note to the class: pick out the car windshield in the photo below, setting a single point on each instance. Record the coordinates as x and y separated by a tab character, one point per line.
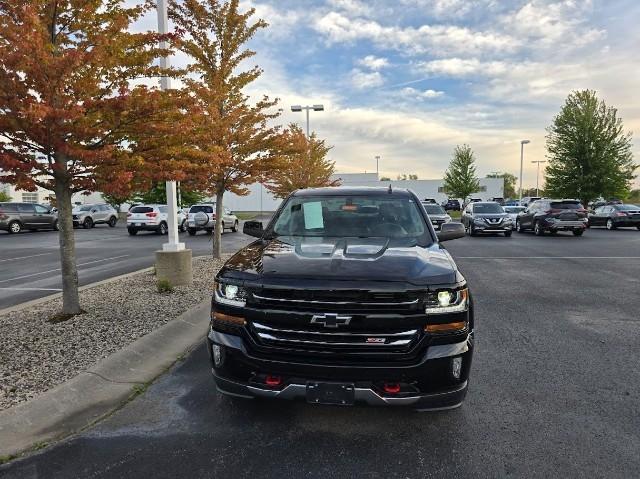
353	216
565	205
202	209
491	208
514	209
433	209
627	207
141	209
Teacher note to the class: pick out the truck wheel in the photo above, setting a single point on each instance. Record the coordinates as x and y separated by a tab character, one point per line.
15	227
87	223
538	229
162	229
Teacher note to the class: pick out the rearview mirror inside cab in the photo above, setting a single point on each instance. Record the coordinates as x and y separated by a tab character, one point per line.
451	231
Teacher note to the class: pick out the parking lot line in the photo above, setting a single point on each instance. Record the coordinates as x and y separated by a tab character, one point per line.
31	289
24	257
58	269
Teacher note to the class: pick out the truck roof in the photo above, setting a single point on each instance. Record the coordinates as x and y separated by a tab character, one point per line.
353	190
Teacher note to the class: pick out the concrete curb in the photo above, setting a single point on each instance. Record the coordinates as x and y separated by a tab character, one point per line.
93	394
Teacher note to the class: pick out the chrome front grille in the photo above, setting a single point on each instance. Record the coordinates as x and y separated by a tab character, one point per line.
324	340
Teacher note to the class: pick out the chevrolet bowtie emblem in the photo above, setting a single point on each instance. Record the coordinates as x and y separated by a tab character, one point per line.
330	320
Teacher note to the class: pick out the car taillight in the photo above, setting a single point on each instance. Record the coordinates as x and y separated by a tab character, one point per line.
153	214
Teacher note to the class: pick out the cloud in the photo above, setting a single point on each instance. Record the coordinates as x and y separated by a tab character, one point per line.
415	94
352	7
438	40
373	63
363	80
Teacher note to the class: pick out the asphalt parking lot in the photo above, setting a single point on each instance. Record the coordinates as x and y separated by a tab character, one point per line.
30	261
555	391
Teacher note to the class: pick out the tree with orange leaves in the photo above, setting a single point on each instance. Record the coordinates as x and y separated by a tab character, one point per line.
67	106
232	139
302	163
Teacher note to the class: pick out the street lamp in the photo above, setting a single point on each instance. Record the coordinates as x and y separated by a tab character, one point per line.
538	173
378	166
299	108
522	143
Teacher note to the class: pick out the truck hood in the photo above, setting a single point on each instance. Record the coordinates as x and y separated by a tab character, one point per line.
349	259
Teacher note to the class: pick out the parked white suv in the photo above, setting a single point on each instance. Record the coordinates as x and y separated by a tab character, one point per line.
148	218
88	216
203	217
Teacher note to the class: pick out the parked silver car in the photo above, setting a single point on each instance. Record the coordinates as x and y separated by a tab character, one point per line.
513	211
88	216
15	217
437	215
203	217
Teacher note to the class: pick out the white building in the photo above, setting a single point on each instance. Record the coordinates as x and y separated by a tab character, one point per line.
43	196
260	199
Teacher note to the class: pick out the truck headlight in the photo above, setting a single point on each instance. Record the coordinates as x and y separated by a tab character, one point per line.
447	301
230	294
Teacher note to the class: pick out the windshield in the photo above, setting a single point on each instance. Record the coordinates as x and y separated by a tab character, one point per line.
352	216
434	209
514	209
491	208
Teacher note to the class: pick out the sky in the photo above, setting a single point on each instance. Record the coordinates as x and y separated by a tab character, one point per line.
408	80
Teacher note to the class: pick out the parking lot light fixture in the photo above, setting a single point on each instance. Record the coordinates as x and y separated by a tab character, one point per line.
522	143
307	108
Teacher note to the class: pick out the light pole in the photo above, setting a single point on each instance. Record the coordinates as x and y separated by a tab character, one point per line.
378	166
298	108
522	143
173	262
538	173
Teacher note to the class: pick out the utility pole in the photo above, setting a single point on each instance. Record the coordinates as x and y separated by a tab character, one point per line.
378	166
522	143
173	262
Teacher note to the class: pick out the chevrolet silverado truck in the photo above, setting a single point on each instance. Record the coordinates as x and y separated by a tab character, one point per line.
346	297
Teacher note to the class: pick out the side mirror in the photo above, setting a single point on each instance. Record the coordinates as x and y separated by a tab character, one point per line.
450	231
253	228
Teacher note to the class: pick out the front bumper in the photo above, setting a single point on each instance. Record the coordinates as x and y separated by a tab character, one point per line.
428	385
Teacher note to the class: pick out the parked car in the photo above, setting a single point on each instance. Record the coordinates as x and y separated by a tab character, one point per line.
527	200
15	217
88	216
203	217
511	203
513	212
498	199
616	216
183	213
347	298
553	216
437	214
486	217
451	204
148	218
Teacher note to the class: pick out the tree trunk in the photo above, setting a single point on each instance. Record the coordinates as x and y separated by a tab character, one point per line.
70	297
217	237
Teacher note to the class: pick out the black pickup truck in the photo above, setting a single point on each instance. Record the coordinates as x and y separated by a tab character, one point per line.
347	297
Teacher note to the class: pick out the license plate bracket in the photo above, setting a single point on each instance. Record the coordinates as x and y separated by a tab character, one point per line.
335	394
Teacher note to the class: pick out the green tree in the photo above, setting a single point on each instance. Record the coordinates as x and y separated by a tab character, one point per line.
404	177
509	183
385	178
4	196
589	152
634	197
158	194
460	179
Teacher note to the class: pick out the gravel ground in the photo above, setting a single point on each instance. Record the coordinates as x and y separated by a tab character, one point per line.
36	355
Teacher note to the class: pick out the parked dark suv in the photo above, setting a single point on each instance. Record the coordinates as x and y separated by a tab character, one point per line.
553	216
451	205
15	217
346	297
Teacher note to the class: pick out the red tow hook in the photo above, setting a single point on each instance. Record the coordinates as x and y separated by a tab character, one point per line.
273	381
392	388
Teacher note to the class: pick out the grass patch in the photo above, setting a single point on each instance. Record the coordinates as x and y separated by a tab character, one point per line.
5	459
164	286
247	215
454	214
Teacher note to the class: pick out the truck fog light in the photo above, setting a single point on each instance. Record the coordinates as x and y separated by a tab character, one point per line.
456	367
218	355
